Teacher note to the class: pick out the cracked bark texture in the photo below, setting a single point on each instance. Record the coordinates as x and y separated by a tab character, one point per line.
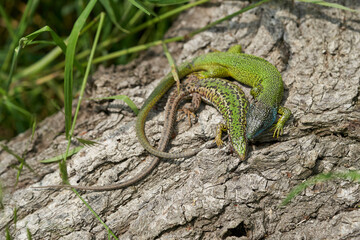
212	195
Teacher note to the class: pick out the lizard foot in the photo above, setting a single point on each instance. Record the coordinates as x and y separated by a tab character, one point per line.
278	130
187	113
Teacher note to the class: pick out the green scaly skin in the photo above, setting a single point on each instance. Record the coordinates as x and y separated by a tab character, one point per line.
264	78
230	101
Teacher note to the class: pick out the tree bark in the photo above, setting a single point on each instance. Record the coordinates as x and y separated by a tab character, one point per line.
212	195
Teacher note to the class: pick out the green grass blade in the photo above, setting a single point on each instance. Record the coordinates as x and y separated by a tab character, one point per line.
11	152
174	70
351	175
168	2
69	61
63	170
87	142
142	7
29	39
12	106
124	98
175	39
95	214
7	21
50	57
15	215
28	234
13	66
62	164
60	157
25	20
33	130
112	11
328	4
7	233
82	90
1	197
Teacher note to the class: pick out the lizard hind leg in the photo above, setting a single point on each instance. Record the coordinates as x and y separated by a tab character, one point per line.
219	129
189	109
235	49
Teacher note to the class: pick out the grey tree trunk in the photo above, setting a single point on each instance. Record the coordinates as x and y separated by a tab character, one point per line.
212	195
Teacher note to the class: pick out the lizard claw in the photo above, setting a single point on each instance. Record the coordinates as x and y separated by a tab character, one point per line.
219	142
187	113
278	130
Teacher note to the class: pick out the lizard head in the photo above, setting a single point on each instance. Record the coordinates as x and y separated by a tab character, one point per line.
259	118
240	147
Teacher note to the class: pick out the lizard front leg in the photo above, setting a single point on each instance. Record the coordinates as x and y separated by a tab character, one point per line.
285	115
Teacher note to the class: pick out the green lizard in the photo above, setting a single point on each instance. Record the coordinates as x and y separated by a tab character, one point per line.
227	97
263	77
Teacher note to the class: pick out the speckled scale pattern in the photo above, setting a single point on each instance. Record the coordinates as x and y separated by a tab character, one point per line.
230	101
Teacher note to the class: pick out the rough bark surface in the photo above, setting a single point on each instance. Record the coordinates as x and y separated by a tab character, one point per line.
212	195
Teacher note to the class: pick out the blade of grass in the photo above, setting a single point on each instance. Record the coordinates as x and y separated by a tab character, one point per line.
174	70
28	234
7	233
111	10
59	157
29	39
95	214
12	106
328	4
124	98
352	175
168	2
20	159
86	142
69	61
24	21
82	90
7	21
1	196
142	7
50	57
62	164
176	39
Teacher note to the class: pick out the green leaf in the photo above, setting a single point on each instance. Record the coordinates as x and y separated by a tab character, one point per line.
124	98
60	157
69	61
